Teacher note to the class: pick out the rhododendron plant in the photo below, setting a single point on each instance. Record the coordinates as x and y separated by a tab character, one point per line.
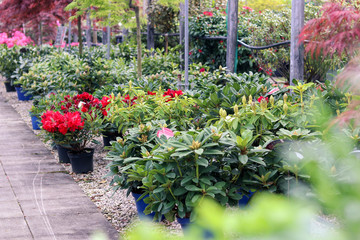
75	120
18	39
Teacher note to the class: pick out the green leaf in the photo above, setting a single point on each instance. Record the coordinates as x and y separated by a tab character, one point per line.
257	160
193	188
181	154
243	159
212	152
180	191
186	180
199	151
202	162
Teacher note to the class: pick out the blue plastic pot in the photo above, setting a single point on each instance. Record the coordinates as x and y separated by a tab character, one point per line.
141	205
245	199
185	224
35	122
22	94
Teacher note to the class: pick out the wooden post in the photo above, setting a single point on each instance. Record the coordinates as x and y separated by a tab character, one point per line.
88	30
150	29
182	33
297	49
232	34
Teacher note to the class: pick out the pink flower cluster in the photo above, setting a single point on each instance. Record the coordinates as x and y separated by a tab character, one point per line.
18	39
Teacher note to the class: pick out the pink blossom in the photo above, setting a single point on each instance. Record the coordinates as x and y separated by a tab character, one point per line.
74	44
273	91
166	132
58	23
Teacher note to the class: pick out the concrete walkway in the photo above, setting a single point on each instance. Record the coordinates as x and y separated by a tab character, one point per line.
38	199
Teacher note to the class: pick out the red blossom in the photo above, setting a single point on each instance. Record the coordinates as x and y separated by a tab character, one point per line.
200	51
202	70
151	93
209	14
261	98
171	94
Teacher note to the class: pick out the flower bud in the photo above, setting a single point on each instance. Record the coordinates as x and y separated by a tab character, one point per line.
285	108
236	109
222	113
244	100
195	145
263	105
253	106
250	100
285	97
272	101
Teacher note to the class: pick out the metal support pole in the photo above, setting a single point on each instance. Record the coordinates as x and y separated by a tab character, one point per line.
182	34
108	41
186	44
232	26
69	33
88	30
297	49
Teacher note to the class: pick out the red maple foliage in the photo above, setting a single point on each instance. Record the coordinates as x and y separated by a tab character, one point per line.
16	14
337	30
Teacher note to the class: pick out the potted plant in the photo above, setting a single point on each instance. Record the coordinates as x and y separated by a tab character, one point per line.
130	164
73	126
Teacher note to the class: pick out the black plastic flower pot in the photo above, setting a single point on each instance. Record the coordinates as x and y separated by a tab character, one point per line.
63	154
82	162
9	87
108	137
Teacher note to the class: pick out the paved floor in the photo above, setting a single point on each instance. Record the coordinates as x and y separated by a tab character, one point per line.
38	200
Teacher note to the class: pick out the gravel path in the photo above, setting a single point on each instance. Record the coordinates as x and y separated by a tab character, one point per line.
118	209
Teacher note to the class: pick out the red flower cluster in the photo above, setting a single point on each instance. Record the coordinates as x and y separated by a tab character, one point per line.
209	14
104	102
151	93
128	101
247	8
202	70
261	98
171	94
63	123
82	102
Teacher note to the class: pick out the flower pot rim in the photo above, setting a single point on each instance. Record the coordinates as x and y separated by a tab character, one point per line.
85	150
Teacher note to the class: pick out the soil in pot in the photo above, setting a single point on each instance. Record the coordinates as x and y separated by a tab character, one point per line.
82	162
63	154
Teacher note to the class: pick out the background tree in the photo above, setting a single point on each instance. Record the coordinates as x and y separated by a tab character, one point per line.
120	11
35	16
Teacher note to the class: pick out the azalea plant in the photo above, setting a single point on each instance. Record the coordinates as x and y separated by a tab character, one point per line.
74	121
